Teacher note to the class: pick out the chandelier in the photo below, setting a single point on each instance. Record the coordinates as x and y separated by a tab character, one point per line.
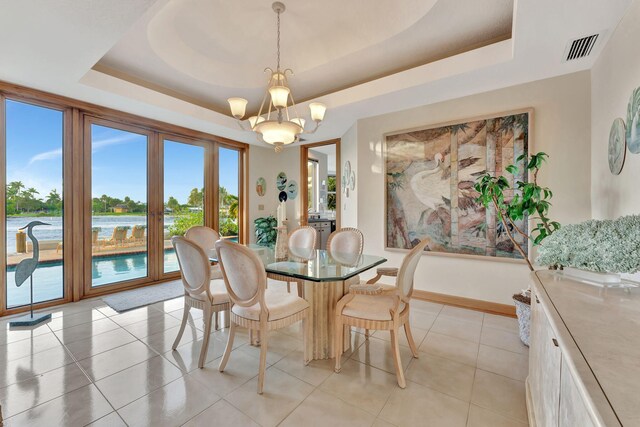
277	123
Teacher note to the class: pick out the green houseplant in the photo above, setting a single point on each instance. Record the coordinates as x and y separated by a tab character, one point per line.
524	201
265	231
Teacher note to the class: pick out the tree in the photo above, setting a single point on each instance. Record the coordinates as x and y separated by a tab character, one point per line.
173	204
196	197
54	201
105	200
14	192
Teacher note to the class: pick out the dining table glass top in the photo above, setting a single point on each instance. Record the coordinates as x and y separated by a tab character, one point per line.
316	265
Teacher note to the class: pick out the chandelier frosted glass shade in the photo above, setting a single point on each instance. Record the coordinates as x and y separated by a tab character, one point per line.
277	121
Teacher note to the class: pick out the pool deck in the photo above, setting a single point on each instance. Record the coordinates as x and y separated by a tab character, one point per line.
51	255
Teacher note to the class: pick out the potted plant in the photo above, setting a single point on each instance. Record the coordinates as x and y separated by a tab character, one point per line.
595	251
530	202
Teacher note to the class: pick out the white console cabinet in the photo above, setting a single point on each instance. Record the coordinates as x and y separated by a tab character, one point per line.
583	360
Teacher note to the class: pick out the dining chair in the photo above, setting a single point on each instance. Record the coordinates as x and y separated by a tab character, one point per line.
253	305
200	291
206	238
345	245
304	239
372	306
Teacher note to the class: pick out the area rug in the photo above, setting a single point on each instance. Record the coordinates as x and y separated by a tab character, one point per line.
128	300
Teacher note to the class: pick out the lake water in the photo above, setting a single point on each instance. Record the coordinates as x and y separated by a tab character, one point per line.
54	231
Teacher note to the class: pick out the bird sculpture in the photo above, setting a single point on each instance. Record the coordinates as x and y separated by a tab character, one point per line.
24	270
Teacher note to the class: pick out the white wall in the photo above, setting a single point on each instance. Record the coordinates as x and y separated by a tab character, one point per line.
349	151
613	77
561	129
266	163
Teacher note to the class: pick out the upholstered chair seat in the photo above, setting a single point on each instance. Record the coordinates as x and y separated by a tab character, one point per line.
279	306
371	307
217	293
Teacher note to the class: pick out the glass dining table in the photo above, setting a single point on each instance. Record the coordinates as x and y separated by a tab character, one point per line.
325	276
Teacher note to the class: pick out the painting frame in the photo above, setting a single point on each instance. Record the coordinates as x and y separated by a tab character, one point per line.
530	111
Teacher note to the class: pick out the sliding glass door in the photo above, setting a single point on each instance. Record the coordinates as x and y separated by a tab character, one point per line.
183	195
33	178
118	227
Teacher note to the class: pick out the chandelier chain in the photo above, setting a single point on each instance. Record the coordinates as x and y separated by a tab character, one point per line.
278	42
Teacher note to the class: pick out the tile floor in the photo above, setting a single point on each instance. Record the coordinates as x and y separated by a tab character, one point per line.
92	366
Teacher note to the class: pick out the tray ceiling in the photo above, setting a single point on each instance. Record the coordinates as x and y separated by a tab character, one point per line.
204	51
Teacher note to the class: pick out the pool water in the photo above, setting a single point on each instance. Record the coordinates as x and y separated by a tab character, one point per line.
48	278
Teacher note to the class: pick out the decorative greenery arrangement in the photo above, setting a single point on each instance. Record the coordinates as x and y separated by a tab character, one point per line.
265	231
598	245
185	221
530	202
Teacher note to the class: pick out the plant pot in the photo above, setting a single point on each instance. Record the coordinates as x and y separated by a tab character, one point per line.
523	311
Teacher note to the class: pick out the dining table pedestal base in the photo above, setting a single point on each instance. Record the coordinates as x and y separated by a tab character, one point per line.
323	298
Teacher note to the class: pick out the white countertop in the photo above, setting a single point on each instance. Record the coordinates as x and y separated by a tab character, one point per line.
604	323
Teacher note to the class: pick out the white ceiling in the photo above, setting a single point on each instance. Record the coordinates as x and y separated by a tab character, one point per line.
54	46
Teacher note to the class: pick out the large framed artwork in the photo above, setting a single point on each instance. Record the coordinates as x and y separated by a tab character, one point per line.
430	174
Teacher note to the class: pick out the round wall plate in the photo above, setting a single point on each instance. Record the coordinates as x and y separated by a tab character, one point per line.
617	146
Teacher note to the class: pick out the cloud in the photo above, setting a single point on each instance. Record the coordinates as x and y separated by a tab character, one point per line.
47	155
95	145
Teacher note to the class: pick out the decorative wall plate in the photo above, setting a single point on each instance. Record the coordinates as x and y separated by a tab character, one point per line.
292	190
346	176
281	181
633	122
352	181
282	196
261	186
617	146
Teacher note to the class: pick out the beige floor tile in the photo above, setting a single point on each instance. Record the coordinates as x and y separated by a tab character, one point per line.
136	315
443	375
186	356
30	366
422	320
278	346
421	406
505	323
132	383
111	420
116	360
503	339
377	353
322	409
77	408
162	341
37	390
426	306
221	414
361	385
282	393
75	319
85	330
480	417
28	347
450	348
71	308
100	343
12	334
107	311
503	362
171	405
499	394
153	325
194	315
169	305
379	422
463	329
462	314
240	368
314	373
418	336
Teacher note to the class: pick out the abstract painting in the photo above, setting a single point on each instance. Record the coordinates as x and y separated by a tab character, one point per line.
430	176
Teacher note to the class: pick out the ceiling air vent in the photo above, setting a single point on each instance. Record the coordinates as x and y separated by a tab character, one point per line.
580	48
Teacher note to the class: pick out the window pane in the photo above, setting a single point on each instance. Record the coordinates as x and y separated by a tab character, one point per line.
229	192
34	141
119	205
183	194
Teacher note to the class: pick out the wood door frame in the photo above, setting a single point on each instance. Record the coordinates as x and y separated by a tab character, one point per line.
242	158
304	177
152	153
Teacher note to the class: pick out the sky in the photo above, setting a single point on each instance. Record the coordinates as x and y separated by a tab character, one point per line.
119	163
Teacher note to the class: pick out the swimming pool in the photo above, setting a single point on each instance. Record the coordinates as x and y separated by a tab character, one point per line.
48	277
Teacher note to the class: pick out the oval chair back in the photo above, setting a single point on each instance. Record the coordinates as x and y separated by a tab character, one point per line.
404	281
303	238
194	267
205	237
243	272
346	241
